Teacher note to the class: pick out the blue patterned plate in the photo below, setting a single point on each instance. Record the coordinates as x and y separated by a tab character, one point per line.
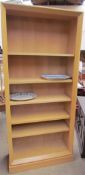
20	96
55	76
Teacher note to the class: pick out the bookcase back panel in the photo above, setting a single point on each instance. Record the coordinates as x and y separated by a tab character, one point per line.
34	66
43	89
36	109
36	35
56	141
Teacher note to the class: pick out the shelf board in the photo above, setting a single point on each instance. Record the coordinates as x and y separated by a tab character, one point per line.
40	54
40	148
46	12
43	99
39	129
36	81
39	117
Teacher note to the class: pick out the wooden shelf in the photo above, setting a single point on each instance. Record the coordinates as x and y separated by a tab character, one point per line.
40	54
42	12
29	69
39	129
40	147
39	117
44	99
36	81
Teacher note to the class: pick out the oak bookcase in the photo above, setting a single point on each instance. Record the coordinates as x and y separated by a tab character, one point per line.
40	40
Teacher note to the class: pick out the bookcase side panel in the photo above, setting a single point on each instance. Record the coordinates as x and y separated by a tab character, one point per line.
75	80
6	79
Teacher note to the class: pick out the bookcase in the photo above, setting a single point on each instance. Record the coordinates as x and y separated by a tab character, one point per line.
38	40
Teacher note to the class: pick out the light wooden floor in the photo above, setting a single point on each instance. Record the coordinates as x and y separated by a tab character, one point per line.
76	167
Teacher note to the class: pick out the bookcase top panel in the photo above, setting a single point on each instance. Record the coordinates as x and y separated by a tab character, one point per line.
39	11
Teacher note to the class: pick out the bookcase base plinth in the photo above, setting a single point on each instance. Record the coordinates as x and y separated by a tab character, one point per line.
38	164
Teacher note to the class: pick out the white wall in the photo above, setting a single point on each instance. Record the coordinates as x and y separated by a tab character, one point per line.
0	26
83	34
0	30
